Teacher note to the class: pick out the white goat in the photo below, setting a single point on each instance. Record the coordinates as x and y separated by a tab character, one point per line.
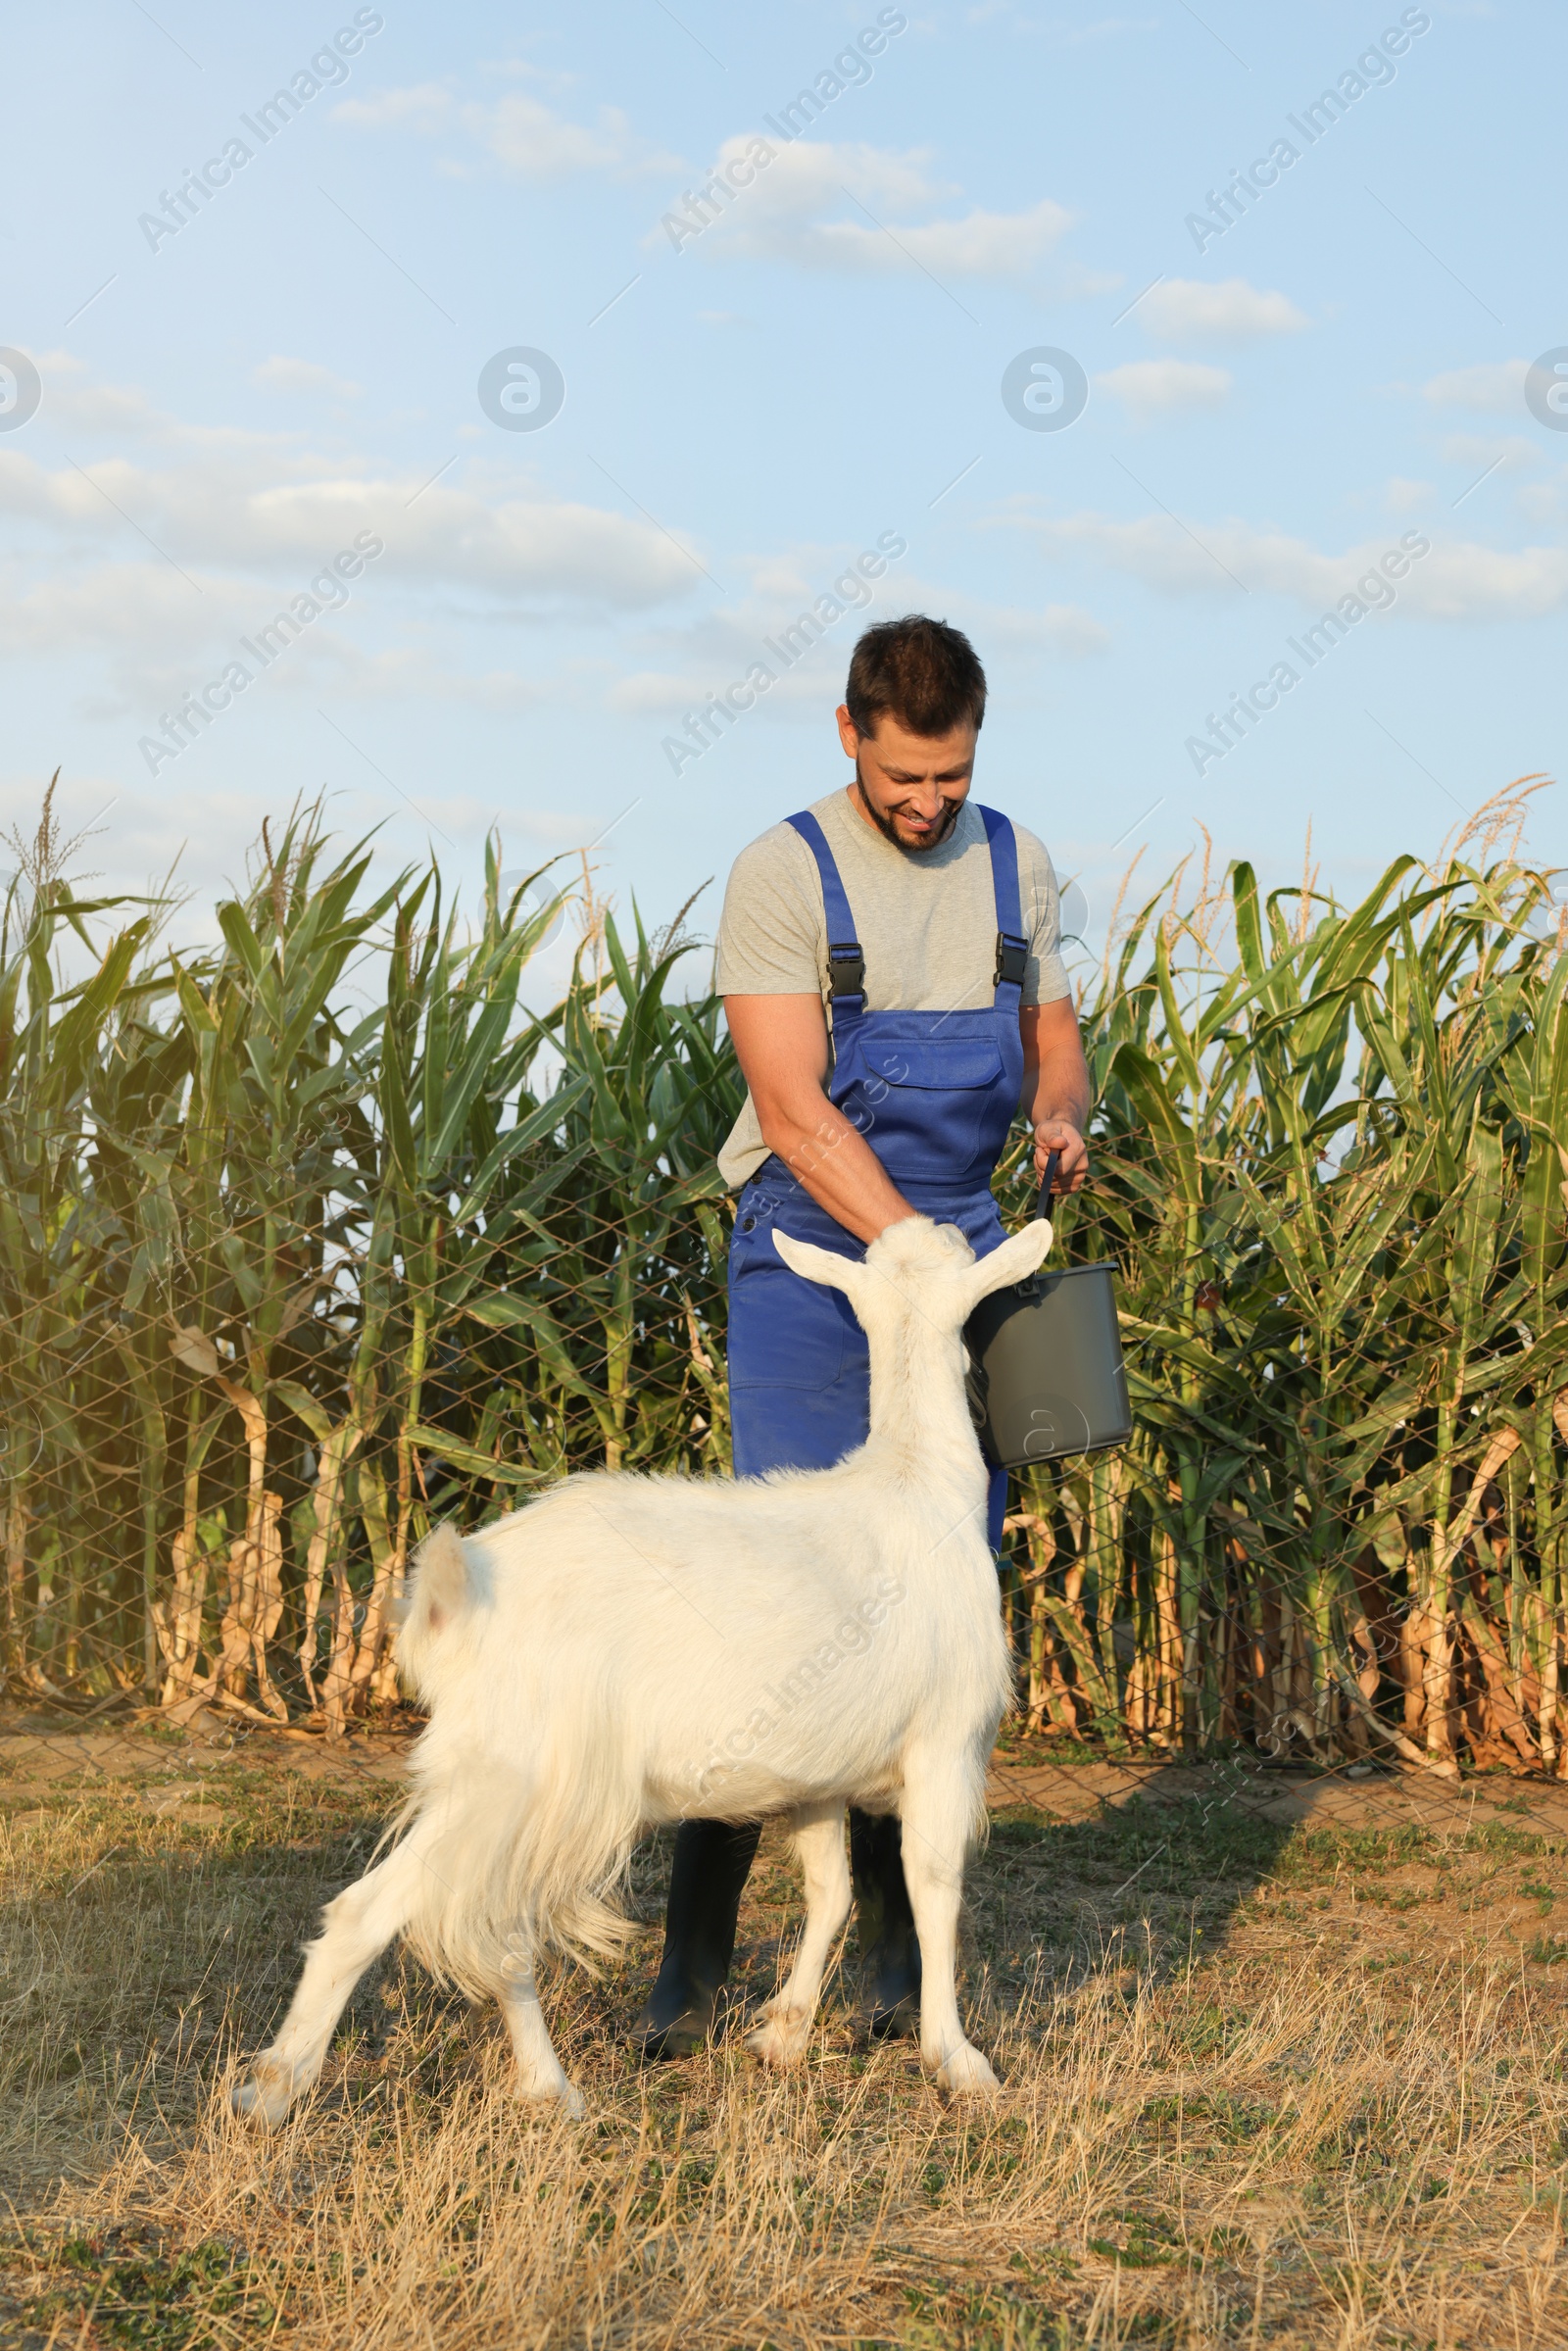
631	1650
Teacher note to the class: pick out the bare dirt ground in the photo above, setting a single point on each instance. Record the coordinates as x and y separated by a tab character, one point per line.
1286	2062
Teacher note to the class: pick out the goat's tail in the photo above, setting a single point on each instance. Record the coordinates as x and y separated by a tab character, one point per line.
525	1824
526	1827
438	1596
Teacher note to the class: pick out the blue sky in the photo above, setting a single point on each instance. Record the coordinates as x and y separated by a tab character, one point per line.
1285	389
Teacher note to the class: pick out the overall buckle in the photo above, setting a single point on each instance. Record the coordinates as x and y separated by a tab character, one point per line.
1012	960
846	969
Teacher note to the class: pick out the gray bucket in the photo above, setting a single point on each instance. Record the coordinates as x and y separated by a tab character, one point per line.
1046	1376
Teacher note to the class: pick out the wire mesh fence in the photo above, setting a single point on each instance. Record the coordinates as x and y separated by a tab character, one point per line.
319	1236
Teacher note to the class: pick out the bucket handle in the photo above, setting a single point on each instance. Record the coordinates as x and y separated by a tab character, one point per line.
1043	1205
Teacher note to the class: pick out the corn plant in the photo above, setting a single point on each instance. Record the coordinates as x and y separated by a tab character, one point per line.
1332	1180
312	1237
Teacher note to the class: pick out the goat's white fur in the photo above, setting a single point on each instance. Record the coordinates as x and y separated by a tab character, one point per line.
631	1650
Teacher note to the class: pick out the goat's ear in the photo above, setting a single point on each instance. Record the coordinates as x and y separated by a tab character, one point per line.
818	1264
1017	1257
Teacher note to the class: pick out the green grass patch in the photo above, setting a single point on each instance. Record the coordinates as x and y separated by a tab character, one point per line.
144	2293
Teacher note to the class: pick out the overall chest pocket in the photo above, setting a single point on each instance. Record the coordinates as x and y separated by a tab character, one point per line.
932	1065
932	1108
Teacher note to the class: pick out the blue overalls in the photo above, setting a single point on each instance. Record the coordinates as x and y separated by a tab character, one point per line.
934	1093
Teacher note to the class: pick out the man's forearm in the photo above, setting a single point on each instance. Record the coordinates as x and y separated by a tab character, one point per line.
836	1166
1060	1088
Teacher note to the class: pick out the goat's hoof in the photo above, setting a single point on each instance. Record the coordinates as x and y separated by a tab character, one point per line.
564	2094
966	2075
263	2096
780	2040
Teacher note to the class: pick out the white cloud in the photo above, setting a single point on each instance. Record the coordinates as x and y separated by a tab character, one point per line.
1149	388
291	514
137	608
236	525
427	106
529	140
1188	310
560	828
1402	497
1456	580
154	644
279	375
1495	387
840	206
413	671
1064	631
71	399
687	666
1463	580
1474	453
1545	501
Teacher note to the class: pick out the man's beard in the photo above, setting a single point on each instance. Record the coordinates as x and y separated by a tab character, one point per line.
886	826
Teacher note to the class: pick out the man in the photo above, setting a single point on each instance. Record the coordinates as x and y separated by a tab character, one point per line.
891	977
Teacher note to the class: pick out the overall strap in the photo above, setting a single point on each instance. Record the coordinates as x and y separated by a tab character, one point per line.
1012	947
846	962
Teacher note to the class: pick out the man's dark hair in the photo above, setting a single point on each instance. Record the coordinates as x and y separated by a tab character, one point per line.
927	674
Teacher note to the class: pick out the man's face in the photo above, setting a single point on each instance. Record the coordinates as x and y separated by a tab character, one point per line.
911	787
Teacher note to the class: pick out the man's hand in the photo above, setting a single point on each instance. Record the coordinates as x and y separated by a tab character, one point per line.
1055	1089
1057	1135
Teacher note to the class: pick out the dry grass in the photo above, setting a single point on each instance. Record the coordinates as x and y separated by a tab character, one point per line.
1264	2088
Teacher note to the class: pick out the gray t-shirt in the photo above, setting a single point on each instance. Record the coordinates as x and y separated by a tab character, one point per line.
925	919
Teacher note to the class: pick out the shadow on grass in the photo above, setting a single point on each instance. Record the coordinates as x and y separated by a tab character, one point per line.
1139	1891
136	1977
1146	1886
136	1974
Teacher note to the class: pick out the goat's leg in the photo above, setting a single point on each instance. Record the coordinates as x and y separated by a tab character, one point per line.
819	1841
356	1928
936	1810
540	2074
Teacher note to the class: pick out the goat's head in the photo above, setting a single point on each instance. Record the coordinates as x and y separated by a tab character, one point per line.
917	1267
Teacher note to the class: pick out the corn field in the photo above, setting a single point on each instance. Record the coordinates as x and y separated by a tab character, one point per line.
314	1236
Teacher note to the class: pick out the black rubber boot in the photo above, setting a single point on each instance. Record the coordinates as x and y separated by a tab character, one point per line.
713	1859
890	1948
